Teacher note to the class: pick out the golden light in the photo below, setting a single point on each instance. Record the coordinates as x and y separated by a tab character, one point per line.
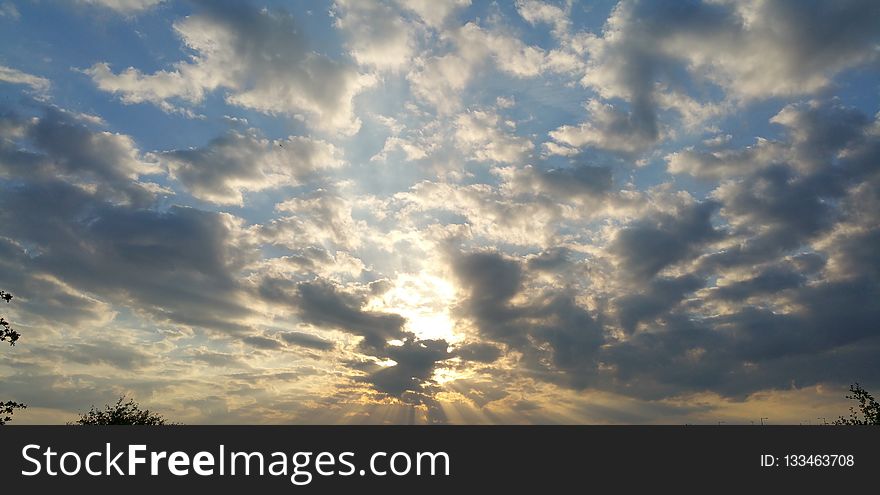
424	300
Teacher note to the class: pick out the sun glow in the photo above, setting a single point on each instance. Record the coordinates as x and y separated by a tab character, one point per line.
425	301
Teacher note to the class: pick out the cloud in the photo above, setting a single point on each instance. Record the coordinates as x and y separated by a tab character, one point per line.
770	281
103	352
219	359
314	260
487	211
377	35
751	50
482	134
653	243
327	305
234	163
819	130
480	352
124	6
535	12
264	343
320	218
608	128
58	146
324	304
434	12
779	48
779	201
414	368
660	295
579	182
726	163
440	79
558	338
307	340
15	76
457	275
260	58
178	265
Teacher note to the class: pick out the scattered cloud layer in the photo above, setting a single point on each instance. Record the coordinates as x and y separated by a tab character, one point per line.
413	211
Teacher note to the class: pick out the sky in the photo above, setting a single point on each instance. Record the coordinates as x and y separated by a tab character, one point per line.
441	211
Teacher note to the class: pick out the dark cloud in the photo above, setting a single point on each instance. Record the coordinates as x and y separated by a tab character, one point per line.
716	163
44	298
307	340
322	304
416	361
81	218
654	243
574	182
126	357
754	347
778	208
491	280
379	287
219	359
769	281
479	352
659	296
56	145
780	199
179	265
550	260
264	343
651	53
234	163
49	389
554	333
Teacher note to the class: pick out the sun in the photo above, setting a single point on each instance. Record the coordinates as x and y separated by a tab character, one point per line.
425	300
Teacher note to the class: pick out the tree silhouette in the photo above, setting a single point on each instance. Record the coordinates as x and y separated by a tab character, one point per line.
7	409
8	334
868	408
121	413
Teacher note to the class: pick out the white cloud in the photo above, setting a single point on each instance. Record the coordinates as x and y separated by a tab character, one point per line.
124	6
652	55
480	132
259	57
15	76
535	12
412	150
489	213
440	79
753	49
229	165
509	53
322	218
377	35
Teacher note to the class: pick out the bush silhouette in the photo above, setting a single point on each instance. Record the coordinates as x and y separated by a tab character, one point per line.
120	413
